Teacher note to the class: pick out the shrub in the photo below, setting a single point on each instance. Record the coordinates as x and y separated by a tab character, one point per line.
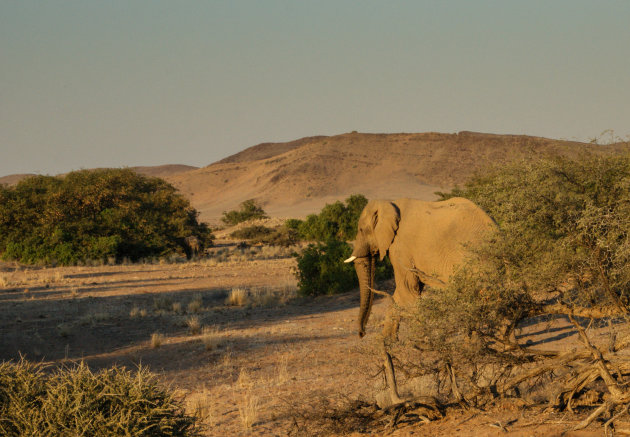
252	232
249	210
282	236
335	221
76	401
94	215
563	249
321	270
563	220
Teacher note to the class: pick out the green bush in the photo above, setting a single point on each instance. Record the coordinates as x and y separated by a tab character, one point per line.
321	270
336	220
249	210
76	401
94	214
282	236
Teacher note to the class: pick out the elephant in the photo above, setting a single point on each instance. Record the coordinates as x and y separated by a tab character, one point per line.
425	242
192	246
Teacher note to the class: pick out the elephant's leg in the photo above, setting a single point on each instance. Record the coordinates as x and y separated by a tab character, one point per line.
390	335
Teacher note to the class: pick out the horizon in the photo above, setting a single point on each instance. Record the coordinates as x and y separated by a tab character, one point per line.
117	84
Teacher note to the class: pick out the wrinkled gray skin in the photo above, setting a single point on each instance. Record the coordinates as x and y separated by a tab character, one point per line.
425	242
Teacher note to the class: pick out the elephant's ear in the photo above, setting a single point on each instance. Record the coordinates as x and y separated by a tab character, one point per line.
385	226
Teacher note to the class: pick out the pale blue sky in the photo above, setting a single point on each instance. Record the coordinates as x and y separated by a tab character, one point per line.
120	83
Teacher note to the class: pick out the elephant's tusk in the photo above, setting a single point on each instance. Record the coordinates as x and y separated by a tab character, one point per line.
349	260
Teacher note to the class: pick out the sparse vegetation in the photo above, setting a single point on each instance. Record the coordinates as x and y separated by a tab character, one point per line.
194	325
564	250
211	338
75	401
249	210
282	236
156	340
249	409
94	215
237	297
137	312
195	305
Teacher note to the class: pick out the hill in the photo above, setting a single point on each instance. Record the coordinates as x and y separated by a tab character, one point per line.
297	178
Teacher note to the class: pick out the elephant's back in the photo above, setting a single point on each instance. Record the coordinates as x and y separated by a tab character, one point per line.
439	234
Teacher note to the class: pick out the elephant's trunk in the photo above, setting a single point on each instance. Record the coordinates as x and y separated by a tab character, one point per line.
365	272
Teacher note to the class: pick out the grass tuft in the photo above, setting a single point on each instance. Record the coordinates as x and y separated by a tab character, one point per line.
75	401
237	297
195	305
156	340
249	410
194	325
211	338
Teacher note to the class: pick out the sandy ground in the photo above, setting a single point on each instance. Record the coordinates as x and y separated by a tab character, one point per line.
256	369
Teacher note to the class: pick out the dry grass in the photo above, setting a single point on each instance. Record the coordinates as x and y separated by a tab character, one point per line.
202	408
195	305
156	340
261	297
4	281
246	254
282	369
137	312
194	325
93	319
237	297
244	379
249	410
211	338
162	304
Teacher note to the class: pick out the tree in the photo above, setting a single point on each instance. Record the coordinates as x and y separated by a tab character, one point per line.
95	214
563	249
249	210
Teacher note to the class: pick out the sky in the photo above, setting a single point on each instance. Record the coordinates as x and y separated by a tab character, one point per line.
87	84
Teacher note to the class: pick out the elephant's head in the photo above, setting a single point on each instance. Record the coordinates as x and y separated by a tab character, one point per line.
378	224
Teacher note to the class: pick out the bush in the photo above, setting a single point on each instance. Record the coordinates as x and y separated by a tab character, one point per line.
563	220
252	232
282	236
563	249
94	214
75	401
321	270
249	210
335	221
